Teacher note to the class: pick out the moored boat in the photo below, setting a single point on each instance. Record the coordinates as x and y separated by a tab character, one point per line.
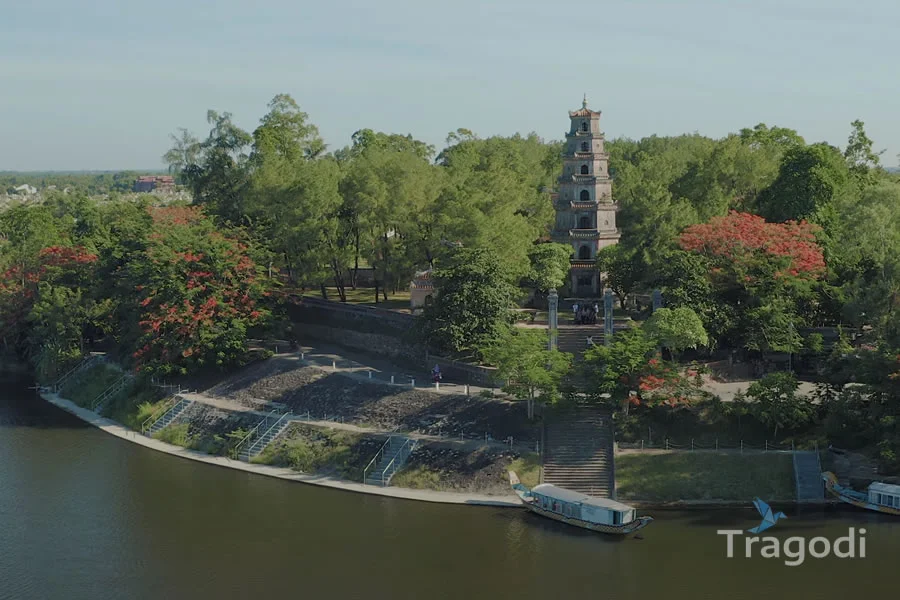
880	497
573	508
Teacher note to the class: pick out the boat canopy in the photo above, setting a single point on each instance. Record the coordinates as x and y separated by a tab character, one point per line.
564	495
883	488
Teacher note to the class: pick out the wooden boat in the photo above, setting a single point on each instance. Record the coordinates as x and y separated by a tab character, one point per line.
574	508
880	497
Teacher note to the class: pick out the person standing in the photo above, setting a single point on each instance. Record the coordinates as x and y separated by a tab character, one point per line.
575	313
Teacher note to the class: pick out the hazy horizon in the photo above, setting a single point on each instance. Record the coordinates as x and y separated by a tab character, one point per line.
101	87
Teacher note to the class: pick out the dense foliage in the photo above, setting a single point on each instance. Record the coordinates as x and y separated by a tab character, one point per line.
761	235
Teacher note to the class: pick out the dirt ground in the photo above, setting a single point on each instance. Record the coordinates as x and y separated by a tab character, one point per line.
447	469
308	389
208	427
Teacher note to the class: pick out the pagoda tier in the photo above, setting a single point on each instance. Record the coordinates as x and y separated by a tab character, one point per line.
585	210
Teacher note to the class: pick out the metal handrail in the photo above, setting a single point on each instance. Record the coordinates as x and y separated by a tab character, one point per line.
181	401
158	413
114	388
237	449
377	457
77	369
252	447
409	442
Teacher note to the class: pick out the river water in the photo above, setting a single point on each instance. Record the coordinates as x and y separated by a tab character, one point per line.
87	515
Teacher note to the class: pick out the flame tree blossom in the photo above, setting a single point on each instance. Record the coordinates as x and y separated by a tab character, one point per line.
197	293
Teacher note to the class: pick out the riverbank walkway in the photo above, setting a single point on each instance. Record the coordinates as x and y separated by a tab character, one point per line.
113	428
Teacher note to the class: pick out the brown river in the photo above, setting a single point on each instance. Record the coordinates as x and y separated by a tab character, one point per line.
86	515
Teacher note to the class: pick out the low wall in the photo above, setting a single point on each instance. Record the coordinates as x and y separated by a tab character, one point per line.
368	319
382	332
386	346
464	372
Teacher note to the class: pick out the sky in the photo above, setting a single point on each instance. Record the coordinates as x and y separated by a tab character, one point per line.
101	84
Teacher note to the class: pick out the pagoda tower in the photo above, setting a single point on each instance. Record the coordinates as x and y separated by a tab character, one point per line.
585	211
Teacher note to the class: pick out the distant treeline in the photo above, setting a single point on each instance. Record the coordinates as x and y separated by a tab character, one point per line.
89	182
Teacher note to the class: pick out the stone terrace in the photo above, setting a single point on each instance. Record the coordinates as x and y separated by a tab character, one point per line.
289	384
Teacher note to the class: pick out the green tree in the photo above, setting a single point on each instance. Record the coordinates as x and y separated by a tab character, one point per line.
285	132
776	404
622	268
616	369
531	370
549	265
218	172
474	295
810	181
677	329
862	160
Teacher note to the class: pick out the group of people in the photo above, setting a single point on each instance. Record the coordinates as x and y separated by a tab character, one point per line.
585	314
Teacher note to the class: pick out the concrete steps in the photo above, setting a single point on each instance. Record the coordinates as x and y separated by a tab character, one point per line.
808	477
390	459
269	434
176	410
578	450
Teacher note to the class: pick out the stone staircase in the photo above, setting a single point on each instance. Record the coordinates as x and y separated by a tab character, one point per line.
389	459
154	424
573	338
578	450
808	477
266	431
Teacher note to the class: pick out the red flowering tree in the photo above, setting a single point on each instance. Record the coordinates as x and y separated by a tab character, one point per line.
746	243
629	371
762	271
45	305
198	292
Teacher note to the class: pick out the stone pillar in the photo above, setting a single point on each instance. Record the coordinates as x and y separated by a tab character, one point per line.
553	301
608	316
657	300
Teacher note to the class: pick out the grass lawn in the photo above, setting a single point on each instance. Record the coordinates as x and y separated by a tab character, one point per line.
87	386
366	297
318	450
704	476
528	468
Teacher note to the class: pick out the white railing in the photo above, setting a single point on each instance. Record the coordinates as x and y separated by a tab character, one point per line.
111	391
253	450
157	414
377	458
84	364
254	431
177	407
397	461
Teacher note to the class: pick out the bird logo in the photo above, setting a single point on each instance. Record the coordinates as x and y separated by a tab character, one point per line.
768	518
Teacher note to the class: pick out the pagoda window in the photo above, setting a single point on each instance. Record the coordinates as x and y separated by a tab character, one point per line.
584	169
584	253
584	223
584	146
584	126
585	196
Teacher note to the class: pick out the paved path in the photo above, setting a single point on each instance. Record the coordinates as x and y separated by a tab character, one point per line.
467	444
728	390
359	365
118	430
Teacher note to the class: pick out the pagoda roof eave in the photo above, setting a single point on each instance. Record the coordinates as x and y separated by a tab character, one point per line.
584	112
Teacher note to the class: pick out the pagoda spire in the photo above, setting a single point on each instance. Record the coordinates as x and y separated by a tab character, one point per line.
584	102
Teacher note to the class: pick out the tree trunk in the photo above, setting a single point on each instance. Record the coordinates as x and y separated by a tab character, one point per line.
339	280
324	291
355	259
376	291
